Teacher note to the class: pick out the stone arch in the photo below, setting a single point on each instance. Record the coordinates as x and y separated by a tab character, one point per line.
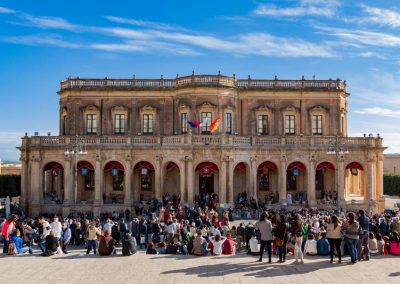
86	181
113	182
355	181
325	181
53	182
267	181
144	179
296	182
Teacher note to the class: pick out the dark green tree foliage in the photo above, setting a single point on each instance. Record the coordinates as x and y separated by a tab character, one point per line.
391	184
10	185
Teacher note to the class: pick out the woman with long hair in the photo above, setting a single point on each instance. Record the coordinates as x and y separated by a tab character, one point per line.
334	237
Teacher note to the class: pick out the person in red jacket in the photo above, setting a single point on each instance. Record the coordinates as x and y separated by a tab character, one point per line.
8	227
229	245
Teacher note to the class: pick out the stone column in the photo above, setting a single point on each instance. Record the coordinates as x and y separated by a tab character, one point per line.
340	173
159	178
190	180
282	181
35	186
311	183
24	179
98	182
182	176
222	181
128	183
68	181
371	185
230	180
253	175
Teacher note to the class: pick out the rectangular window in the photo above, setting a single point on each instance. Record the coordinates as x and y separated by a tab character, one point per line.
228	123
289	125
262	124
184	124
89	181
119	124
317	124
65	121
205	129
147	123
91	124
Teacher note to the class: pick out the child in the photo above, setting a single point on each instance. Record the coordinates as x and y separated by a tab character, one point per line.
381	243
297	248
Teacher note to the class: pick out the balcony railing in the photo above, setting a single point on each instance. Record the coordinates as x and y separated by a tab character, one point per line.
201	140
203	80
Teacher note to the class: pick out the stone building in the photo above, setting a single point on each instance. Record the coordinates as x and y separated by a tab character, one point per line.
10	168
391	164
134	141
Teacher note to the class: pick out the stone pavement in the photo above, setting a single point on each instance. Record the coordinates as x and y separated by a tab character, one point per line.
78	267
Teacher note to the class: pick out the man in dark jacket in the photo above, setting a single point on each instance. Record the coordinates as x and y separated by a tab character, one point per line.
363	236
250	230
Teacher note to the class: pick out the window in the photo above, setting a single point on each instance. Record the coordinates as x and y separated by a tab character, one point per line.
289	125
206	128
263	182
89	180
147	123
91	124
262	124
65	121
119	127
118	180
228	123
317	124
184	120
146	178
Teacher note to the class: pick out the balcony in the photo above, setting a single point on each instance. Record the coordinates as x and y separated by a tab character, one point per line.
200	140
202	80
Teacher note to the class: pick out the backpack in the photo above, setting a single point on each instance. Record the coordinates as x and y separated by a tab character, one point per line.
127	247
12	249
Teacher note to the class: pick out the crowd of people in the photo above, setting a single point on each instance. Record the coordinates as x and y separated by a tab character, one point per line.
203	231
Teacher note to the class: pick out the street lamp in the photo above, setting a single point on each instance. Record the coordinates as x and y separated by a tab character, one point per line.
76	148
337	148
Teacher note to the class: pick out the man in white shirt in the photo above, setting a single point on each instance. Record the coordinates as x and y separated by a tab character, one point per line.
214	231
108	226
171	230
46	231
56	226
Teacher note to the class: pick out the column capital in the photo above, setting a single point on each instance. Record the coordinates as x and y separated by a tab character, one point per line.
128	158
253	158
159	158
35	158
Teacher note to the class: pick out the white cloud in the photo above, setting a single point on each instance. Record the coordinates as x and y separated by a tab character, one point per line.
141	23
379	111
47	22
364	37
40	40
369	54
382	17
5	10
327	8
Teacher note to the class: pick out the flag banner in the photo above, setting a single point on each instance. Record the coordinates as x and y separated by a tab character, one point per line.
214	125
192	124
204	122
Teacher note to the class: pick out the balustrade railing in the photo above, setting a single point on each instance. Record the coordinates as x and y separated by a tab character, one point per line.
202	80
188	139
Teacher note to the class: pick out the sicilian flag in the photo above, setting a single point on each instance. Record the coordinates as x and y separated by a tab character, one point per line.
214	125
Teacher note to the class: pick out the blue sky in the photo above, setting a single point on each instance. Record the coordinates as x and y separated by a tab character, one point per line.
43	42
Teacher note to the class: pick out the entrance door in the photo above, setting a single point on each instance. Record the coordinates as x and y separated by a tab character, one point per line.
319	184
206	185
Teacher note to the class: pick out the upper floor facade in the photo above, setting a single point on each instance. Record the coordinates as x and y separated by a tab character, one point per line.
163	107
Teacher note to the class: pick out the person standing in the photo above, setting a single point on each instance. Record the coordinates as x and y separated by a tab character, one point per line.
44	231
265	227
56	227
334	237
65	238
240	236
93	233
281	236
352	234
363	240
7	228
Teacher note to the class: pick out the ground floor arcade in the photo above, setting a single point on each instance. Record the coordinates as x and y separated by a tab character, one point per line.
120	179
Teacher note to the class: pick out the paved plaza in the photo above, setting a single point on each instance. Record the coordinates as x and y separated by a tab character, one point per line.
78	267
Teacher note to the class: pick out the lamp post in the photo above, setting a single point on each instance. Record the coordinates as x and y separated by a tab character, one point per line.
337	148
76	148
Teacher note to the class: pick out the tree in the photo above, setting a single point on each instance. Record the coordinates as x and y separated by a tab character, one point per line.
10	185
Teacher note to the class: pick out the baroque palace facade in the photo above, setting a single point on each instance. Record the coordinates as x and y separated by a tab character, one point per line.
122	140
